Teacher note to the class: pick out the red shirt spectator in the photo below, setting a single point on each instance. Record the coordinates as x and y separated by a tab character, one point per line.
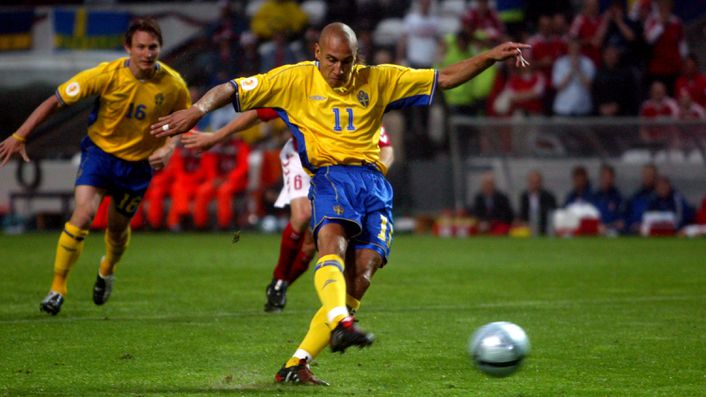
527	88
688	109
693	81
547	47
664	33
659	104
484	20
585	28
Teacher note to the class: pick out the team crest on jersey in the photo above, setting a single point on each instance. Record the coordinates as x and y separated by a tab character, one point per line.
338	209
73	89
363	98
159	99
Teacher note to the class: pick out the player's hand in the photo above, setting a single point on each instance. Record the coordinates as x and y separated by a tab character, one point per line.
199	141
10	146
509	50
159	159
176	123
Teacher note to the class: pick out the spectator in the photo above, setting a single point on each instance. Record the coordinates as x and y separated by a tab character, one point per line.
688	109
585	29
692	80
618	31
615	87
156	195
664	33
188	175
483	23
609	201
418	44
668	199
278	16
417	48
581	191
277	52
492	208
536	204
459	100
524	91
536	8
638	202
228	166
659	103
547	46
572	77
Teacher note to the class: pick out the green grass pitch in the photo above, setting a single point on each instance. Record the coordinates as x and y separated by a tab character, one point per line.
606	317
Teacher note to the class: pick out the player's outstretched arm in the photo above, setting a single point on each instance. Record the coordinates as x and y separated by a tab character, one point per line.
15	143
160	157
182	121
460	72
202	141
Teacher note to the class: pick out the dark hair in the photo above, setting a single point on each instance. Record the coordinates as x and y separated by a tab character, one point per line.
143	24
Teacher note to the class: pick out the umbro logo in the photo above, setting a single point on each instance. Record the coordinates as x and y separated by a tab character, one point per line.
317	98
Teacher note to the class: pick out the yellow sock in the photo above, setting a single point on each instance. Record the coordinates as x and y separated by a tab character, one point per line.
353	304
114	250
315	340
331	287
68	250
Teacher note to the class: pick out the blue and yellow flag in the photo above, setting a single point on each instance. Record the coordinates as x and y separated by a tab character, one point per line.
16	30
80	29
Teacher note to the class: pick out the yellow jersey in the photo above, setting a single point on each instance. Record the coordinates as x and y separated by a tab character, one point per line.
126	106
335	125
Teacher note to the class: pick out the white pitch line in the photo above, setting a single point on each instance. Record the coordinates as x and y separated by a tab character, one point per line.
190	318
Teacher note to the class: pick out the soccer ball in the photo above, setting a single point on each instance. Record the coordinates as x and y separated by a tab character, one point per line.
498	348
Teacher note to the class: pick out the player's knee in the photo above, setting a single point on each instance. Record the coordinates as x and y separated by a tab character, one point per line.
300	218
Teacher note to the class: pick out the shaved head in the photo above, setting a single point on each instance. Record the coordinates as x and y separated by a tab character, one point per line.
338	31
337	52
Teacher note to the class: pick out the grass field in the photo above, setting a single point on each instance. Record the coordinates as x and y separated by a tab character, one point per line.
606	317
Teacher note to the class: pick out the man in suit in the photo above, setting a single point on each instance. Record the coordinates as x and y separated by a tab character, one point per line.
492	208
536	203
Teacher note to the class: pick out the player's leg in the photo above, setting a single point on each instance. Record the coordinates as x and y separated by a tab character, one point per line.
290	247
295	193
71	241
303	259
117	239
366	262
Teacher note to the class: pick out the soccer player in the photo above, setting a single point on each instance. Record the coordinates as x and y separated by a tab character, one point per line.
117	156
297	244
334	109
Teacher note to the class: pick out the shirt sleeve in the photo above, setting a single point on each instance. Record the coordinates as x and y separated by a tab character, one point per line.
405	87
86	83
268	90
266	114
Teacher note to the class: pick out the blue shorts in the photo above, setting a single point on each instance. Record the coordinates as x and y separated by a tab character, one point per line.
125	181
359	198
